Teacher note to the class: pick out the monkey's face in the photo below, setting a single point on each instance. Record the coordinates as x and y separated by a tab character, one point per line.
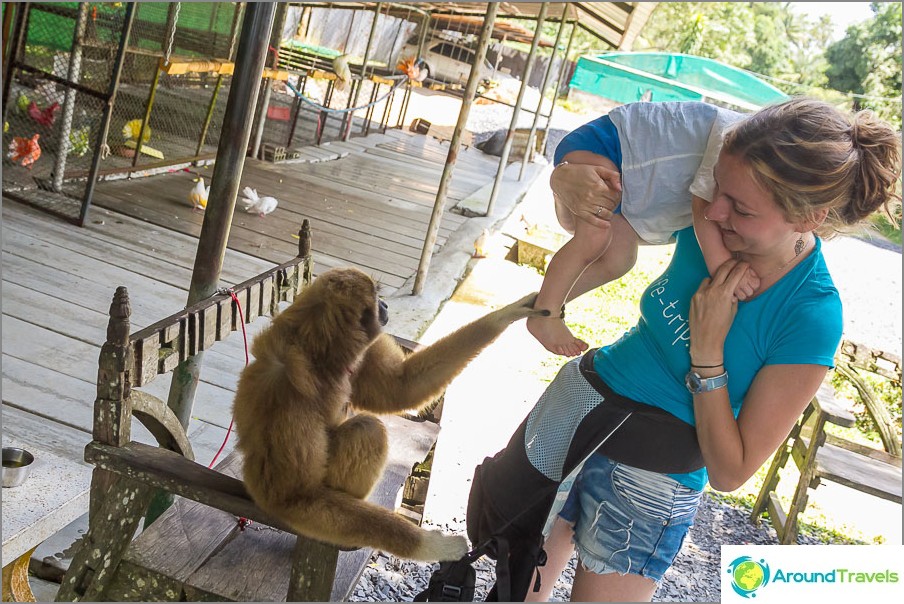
350	303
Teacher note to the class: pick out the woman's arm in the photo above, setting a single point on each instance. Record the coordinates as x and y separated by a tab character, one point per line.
582	185
713	248
735	449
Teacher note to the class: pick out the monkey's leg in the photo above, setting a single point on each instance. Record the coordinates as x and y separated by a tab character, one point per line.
357	454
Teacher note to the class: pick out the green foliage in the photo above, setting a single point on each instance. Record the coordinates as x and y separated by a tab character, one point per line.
792	51
867	61
885	391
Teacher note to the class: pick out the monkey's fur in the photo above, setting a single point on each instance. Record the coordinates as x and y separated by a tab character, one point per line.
308	464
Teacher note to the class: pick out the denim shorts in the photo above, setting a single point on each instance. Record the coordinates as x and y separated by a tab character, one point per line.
628	520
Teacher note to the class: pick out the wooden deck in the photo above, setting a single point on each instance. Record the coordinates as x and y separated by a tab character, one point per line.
369	209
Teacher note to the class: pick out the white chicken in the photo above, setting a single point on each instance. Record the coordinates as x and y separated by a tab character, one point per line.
198	195
343	73
255	204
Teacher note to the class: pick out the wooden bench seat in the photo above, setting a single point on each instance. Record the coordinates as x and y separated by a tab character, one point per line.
821	456
196	550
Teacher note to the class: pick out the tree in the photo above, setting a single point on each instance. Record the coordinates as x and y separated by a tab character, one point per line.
867	62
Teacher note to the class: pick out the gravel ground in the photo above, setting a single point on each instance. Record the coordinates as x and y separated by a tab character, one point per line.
858	267
695	576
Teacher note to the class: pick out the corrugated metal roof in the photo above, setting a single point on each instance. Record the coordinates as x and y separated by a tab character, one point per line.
617	24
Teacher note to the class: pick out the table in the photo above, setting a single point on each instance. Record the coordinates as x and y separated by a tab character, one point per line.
55	493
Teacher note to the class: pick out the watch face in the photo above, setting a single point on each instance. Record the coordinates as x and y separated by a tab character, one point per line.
696	384
692	381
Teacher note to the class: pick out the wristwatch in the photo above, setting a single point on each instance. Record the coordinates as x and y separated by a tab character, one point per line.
696	384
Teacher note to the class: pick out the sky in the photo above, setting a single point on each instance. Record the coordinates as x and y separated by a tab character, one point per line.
843	14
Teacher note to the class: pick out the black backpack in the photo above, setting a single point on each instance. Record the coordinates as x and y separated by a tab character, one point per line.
510	498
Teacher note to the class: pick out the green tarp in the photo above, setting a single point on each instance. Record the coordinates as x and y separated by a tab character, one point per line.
626	77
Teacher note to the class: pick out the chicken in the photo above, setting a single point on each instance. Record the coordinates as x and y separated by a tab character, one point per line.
45	116
480	244
133	128
343	73
415	69
198	195
255	204
28	150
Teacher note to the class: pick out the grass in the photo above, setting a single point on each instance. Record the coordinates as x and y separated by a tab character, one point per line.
602	316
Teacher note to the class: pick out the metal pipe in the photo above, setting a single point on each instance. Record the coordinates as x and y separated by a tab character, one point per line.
209	116
145	124
367	48
19	34
275	39
510	135
486	33
128	20
73	74
533	126
422	39
555	93
224	186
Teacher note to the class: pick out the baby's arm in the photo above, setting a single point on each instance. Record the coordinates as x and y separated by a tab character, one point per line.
714	251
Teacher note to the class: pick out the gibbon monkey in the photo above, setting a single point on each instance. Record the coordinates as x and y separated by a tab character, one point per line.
305	461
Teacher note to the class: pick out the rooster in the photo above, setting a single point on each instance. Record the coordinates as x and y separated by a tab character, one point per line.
198	195
45	116
255	204
415	69
343	73
28	150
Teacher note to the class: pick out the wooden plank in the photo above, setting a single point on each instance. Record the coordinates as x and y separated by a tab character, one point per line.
119	231
859	472
263	245
35	430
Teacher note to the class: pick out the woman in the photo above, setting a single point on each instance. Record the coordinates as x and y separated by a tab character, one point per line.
740	372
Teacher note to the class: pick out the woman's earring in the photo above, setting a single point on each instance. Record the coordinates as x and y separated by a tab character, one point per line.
799	245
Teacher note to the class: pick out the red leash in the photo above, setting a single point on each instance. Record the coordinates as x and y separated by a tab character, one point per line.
243	522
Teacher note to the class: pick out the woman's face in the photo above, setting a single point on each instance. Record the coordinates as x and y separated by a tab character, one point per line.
746	213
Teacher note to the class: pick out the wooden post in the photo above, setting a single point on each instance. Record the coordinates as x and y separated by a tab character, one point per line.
454	144
510	135
224	186
533	127
555	93
357	89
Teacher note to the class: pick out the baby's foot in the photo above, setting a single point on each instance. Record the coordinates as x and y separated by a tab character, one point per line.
555	336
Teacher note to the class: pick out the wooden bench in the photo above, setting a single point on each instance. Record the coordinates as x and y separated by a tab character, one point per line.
197	549
821	456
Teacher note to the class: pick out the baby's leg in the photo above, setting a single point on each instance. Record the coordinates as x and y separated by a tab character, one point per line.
619	258
588	244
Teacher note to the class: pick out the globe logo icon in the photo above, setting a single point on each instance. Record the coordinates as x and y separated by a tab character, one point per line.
748	575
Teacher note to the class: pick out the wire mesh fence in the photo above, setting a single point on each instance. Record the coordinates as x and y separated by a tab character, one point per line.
69	62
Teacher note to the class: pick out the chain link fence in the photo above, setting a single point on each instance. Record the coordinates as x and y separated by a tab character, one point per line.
67	62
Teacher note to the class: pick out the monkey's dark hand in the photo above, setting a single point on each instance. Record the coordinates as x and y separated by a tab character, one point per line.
521	309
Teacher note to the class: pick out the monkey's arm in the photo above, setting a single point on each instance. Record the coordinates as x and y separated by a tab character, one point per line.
388	381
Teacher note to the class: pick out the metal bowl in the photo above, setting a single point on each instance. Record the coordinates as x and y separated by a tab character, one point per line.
16	466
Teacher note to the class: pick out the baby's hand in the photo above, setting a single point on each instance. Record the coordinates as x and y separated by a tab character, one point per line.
750	282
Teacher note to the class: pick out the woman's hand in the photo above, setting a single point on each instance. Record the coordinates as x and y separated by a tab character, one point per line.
713	308
589	188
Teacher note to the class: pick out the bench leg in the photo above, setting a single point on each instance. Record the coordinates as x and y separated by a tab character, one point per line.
15	579
313	571
772	477
110	530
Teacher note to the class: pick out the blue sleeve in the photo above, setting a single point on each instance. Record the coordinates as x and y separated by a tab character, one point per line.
599	136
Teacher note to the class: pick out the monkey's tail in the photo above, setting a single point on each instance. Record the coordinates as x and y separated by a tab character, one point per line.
338	518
